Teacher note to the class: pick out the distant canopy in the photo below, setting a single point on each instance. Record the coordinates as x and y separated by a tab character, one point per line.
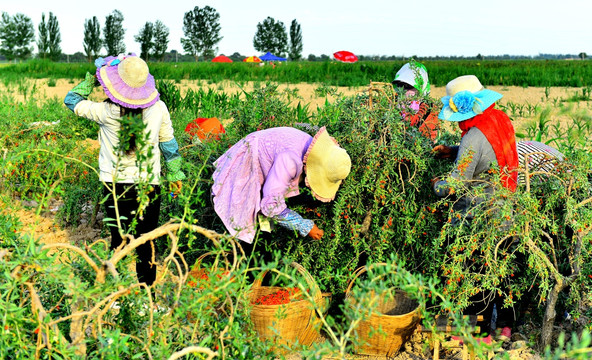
252	59
270	57
345	56
222	59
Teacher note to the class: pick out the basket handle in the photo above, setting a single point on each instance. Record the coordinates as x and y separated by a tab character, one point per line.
312	284
203	256
310	281
359	271
259	280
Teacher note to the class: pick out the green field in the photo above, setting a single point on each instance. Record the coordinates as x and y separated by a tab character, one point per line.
539	73
58	298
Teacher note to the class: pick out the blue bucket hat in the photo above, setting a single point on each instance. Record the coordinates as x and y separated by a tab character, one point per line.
466	98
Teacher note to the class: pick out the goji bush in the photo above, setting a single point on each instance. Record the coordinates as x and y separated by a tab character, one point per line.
384	211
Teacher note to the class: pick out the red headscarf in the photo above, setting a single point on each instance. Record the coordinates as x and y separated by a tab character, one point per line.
499	131
205	128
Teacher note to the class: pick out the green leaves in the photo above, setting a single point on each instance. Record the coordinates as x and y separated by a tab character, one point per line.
16	34
201	27
271	37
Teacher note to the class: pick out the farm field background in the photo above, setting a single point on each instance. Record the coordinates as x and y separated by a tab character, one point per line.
523	96
49	188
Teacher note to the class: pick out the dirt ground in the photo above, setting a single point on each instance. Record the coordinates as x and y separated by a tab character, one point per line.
44	226
516	94
415	349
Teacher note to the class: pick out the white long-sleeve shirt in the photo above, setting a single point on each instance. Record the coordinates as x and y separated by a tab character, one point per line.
107	115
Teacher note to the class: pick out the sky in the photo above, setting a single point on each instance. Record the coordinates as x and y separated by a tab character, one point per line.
366	27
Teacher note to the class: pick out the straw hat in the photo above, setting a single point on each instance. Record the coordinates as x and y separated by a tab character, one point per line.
326	165
466	98
416	75
127	81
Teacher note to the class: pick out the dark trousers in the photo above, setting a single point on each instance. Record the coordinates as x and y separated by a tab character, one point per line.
482	304
126	205
261	255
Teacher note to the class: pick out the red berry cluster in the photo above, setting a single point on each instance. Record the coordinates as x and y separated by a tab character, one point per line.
198	275
282	296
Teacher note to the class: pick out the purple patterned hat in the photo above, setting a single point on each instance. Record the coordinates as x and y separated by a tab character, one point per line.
127	81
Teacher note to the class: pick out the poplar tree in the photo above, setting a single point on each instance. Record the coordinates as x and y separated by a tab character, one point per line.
295	52
161	40
201	27
16	34
54	37
42	38
271	37
92	38
113	33
146	39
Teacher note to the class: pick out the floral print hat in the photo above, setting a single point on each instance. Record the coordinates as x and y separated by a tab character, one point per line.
127	81
466	98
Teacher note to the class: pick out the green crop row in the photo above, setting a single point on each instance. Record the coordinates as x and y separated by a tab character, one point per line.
490	72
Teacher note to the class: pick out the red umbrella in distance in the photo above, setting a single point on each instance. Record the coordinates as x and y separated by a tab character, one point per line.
345	56
222	59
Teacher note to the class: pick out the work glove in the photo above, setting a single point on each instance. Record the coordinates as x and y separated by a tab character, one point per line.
316	233
174	172
86	86
443	152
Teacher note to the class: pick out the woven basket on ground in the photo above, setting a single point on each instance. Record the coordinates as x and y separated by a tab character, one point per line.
199	277
311	334
389	326
287	324
199	273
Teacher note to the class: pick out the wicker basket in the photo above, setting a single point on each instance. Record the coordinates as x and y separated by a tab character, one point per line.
287	324
195	278
311	334
197	271
388	327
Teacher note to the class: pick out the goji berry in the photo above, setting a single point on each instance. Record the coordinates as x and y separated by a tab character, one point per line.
282	296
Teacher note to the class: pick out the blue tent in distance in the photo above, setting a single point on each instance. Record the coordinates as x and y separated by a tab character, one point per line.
270	57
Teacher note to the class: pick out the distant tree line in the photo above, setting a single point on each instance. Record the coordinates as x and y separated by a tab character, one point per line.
201	29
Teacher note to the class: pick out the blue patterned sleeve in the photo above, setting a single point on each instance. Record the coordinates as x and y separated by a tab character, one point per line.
72	99
170	150
290	219
173	160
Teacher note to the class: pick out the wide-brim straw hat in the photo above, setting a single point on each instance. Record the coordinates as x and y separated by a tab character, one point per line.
127	82
466	98
326	165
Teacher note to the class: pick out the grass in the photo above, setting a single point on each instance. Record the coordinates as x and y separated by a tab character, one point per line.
523	73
